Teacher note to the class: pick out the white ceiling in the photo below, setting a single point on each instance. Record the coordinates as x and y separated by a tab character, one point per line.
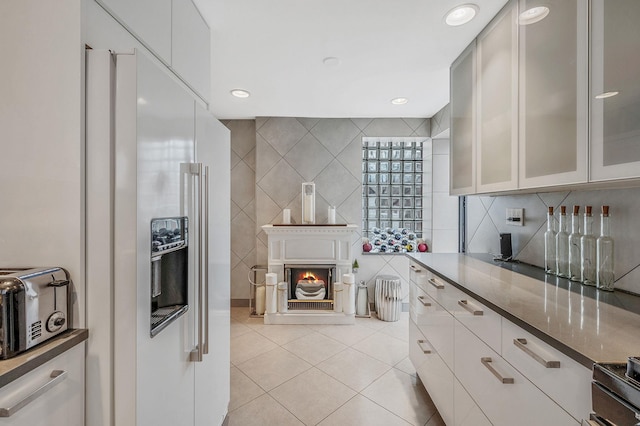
387	49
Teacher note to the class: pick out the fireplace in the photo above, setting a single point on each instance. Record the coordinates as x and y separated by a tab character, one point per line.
310	259
309	283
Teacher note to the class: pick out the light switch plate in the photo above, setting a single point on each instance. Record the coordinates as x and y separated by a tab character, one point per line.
515	217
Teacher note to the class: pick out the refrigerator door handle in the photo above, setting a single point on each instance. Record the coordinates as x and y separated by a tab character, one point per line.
206	260
195	170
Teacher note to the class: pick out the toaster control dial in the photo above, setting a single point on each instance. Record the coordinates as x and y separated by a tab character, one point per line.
55	321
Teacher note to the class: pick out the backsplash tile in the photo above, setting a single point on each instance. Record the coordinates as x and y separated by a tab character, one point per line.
485	220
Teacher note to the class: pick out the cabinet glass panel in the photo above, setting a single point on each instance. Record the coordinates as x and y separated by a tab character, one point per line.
497	90
553	73
463	123
615	89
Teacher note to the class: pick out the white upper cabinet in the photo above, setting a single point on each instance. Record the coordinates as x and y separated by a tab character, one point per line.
148	20
463	123
615	89
553	70
497	103
191	51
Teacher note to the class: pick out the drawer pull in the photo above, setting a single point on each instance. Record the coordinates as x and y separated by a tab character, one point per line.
469	307
56	376
424	302
425	349
486	361
522	344
416	269
436	284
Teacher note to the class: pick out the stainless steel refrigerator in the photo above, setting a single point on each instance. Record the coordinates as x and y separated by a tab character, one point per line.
153	152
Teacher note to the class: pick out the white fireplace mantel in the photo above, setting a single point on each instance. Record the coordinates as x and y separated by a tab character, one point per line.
309	245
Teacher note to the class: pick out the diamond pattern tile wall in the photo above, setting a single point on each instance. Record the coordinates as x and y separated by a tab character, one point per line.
287	151
243	212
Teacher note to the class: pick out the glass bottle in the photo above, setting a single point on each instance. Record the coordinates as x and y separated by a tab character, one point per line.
574	245
604	253
550	245
588	250
562	245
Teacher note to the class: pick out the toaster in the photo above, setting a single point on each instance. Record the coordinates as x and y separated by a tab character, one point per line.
34	307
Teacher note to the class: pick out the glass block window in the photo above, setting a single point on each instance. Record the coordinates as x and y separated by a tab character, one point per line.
391	185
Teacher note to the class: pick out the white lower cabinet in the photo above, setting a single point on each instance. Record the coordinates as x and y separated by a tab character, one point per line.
62	401
436	324
465	355
433	372
466	411
557	375
505	396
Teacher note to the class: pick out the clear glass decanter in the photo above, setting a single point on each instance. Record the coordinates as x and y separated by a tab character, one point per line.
562	245
550	244
588	250
604	253
574	245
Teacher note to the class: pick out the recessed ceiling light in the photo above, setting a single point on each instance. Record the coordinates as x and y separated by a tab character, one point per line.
240	93
606	95
461	14
399	101
331	61
533	15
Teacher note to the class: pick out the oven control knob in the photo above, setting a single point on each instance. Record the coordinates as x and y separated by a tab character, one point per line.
55	321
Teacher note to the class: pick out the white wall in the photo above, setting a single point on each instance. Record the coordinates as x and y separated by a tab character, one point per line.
444	207
41	129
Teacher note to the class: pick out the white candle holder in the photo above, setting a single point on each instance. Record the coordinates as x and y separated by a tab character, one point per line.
308	202
331	215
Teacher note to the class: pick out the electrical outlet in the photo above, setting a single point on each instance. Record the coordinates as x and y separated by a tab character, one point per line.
515	217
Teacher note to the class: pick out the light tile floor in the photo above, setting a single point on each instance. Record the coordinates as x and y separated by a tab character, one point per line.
342	375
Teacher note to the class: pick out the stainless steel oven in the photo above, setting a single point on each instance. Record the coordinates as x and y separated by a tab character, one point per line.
615	394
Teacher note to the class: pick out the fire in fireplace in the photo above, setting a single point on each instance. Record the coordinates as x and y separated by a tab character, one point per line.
310	282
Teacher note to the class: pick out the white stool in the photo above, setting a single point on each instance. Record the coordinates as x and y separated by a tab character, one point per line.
388	298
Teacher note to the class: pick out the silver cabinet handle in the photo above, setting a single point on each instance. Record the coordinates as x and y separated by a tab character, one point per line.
425	349
436	284
469	307
486	361
522	344
423	301
56	376
206	260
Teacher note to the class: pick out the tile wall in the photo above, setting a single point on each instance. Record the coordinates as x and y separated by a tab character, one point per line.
486	220
269	166
243	206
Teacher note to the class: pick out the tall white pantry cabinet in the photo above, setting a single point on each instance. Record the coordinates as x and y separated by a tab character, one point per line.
42	130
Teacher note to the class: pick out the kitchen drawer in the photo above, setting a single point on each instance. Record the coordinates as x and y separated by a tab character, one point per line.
433	372
440	290
417	275
561	378
482	321
502	393
61	404
466	411
436	325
